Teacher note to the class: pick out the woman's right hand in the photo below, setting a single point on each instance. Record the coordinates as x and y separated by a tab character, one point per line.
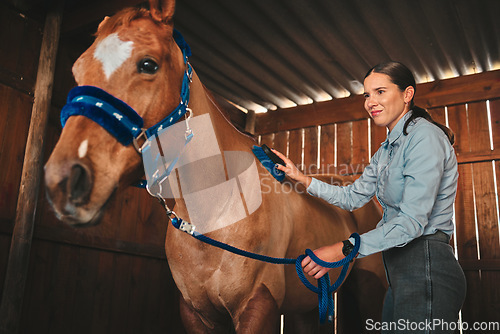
291	170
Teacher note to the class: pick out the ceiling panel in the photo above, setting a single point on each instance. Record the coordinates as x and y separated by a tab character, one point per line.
272	54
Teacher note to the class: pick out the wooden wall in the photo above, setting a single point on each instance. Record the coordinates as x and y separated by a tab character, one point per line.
331	143
109	278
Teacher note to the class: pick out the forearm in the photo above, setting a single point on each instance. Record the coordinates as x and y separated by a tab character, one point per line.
348	198
304	179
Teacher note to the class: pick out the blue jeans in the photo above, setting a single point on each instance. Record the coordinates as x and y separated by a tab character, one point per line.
426	287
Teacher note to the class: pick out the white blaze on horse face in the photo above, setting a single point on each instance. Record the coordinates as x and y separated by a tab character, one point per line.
82	149
112	52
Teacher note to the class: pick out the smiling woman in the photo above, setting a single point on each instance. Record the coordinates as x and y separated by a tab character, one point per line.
414	177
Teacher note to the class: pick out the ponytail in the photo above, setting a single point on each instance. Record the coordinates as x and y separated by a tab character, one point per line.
420	112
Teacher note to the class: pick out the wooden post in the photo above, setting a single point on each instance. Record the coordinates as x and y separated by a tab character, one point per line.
250	122
17	267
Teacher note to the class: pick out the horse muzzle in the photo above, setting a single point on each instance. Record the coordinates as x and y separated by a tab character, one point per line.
69	187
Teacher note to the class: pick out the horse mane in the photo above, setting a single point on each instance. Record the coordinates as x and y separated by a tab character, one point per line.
122	18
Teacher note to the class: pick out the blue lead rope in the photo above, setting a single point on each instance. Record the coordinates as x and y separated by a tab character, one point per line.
324	290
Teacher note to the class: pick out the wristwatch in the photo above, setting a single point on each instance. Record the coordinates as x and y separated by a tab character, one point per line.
347	248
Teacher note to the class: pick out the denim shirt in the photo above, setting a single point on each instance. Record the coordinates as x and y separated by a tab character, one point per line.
414	178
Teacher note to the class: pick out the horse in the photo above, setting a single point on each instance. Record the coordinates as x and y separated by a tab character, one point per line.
136	59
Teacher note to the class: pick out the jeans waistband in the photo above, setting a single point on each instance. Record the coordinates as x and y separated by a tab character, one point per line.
438	236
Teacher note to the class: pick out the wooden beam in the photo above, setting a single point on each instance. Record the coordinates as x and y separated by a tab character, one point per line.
335	111
16	81
464	89
469	157
483	264
17	267
447	92
250	122
68	237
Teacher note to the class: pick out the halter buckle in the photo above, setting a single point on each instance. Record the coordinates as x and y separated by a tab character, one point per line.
138	147
189	71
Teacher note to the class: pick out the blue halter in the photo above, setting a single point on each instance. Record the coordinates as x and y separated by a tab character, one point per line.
118	118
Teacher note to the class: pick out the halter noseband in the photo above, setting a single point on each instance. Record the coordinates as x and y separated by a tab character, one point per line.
118	118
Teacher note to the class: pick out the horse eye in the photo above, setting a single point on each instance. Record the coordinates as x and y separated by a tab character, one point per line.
147	65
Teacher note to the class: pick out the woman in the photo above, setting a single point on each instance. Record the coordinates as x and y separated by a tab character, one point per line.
414	176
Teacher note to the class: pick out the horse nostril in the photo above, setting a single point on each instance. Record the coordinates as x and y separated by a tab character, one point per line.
80	184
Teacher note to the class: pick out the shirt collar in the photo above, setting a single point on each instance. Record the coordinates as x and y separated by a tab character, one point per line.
397	130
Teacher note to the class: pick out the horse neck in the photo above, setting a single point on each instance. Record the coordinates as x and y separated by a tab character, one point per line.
229	138
212	161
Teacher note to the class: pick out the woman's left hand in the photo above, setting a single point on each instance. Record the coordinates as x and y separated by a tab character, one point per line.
331	253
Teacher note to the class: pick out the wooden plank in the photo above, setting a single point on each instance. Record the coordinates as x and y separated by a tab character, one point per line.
320	113
40	273
460	90
109	244
16	81
478	126
250	122
495	122
23	37
104	295
121	295
281	141
438	114
483	156
15	280
267	139
85	294
67	260
466	239
490	245
360	157
485	265
15	110
378	134
486	210
344	147
136	290
311	150
128	218
457	118
327	149
295	147
487	226
464	89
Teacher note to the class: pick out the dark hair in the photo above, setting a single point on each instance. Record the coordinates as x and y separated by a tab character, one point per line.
402	77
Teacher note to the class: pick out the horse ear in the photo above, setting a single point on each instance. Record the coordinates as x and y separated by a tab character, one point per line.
162	10
102	23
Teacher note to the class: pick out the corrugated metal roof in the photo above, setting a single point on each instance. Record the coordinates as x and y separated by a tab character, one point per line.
267	54
280	53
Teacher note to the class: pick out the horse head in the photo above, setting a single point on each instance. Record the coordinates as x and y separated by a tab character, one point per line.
135	59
